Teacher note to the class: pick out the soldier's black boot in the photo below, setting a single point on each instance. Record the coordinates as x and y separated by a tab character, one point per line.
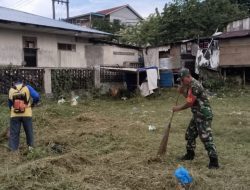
189	155
213	164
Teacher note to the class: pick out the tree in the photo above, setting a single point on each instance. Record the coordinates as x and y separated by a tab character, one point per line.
183	19
147	32
243	4
107	26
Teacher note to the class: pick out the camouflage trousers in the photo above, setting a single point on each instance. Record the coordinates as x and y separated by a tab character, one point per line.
201	128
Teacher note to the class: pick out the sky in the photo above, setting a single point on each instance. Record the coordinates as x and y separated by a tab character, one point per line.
77	7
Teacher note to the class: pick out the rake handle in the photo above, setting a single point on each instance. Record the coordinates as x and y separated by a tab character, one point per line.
163	146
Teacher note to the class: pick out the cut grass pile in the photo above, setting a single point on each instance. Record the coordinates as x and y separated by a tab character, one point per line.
106	144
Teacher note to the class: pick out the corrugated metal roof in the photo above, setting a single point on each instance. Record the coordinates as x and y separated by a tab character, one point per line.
106	12
111	10
114	9
12	15
85	15
235	34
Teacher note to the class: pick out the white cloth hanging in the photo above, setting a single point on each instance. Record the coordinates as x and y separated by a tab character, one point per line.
151	57
152	76
144	89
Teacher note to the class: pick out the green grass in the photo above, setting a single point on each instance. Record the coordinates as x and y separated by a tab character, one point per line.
106	145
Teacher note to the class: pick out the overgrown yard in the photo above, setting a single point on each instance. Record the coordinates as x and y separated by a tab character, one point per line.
105	144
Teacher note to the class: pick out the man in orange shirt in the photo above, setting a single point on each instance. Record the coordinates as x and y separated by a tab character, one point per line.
200	125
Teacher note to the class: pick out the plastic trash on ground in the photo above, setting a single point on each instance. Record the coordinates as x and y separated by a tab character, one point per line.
151	128
74	101
124	98
61	101
183	177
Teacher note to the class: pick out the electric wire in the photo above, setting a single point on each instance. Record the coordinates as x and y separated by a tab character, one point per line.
23	3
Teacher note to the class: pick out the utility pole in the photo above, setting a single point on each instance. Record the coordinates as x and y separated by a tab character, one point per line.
53	9
67	5
66	2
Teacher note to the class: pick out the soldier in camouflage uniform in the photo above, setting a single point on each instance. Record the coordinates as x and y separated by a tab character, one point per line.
197	100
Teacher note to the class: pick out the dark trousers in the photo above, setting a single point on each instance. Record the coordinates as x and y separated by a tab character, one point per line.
15	127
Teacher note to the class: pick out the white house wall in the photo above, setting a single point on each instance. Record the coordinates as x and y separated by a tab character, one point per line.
94	55
48	55
114	55
10	47
71	58
109	55
126	16
47	50
238	25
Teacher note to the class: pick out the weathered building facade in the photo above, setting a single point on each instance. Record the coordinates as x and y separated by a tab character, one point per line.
234	46
34	41
123	14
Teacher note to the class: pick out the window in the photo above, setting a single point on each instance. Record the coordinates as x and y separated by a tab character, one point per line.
189	47
29	42
204	45
116	21
66	47
164	54
29	51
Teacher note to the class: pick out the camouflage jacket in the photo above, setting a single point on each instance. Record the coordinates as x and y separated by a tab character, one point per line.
201	107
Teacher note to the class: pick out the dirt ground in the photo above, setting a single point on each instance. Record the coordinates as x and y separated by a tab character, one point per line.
105	144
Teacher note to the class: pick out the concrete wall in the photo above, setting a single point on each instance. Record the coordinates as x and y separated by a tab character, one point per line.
235	52
48	55
72	58
10	47
47	52
126	16
110	55
94	55
114	55
238	25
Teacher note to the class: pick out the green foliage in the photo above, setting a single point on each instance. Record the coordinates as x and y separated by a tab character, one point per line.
214	84
183	20
107	26
66	80
243	4
36	153
146	32
4	114
61	82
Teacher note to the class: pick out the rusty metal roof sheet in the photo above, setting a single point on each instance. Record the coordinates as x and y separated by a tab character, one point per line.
111	10
114	9
235	34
